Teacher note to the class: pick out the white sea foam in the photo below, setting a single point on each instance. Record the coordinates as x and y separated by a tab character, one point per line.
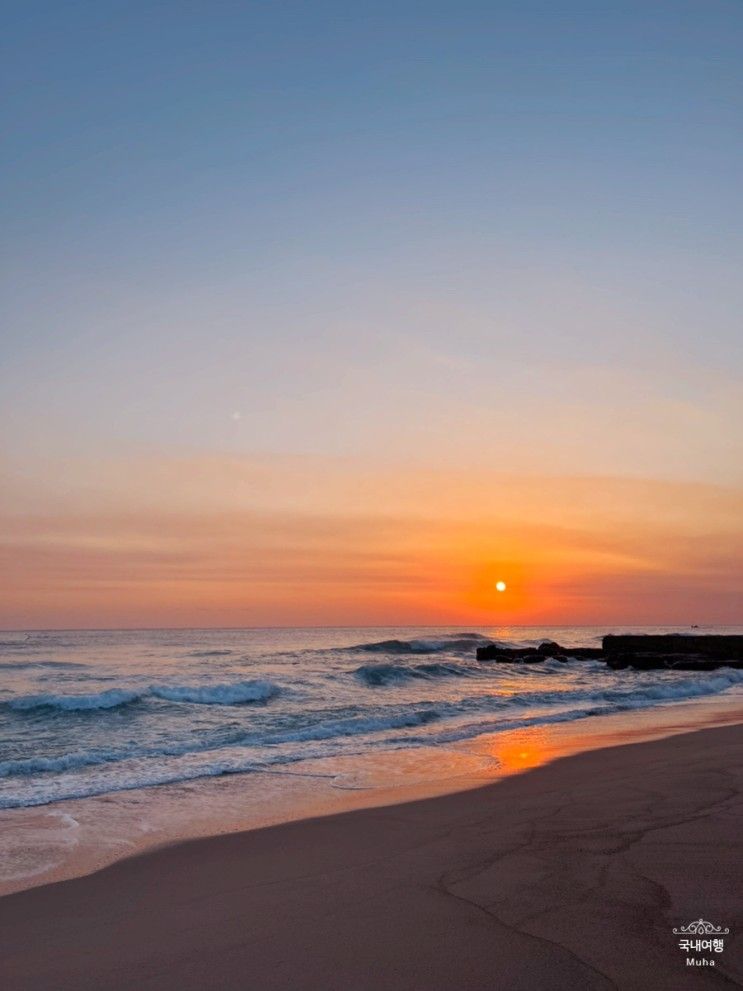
111	712
457	643
221	694
227	694
109	699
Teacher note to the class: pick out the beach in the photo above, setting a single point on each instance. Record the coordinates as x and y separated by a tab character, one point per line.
371	501
115	742
571	875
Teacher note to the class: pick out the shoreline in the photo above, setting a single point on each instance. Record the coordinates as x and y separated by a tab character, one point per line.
572	874
94	833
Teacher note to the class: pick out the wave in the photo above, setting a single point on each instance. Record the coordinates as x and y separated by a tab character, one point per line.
67	762
110	699
387	674
238	762
228	694
64	789
458	642
60	790
666	691
331	729
232	693
244	745
605	703
142	775
638	696
357	726
21	766
467	731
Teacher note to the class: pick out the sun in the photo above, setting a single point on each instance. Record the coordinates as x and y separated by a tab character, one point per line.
500	586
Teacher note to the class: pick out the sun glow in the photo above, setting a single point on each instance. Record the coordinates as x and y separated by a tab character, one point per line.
500	586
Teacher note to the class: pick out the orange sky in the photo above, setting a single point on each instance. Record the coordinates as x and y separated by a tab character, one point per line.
332	319
237	541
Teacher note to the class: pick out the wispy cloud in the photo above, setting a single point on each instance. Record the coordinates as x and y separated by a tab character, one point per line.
275	541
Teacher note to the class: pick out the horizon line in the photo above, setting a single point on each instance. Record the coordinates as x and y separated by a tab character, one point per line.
358	626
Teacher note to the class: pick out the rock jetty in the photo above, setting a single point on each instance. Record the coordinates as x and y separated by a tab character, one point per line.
644	652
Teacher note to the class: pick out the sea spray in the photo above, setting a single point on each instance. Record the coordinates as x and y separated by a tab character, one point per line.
99	712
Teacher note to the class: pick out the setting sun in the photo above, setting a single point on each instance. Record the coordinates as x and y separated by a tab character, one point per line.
390	301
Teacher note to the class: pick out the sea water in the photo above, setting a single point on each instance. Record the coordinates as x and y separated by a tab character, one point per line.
101	713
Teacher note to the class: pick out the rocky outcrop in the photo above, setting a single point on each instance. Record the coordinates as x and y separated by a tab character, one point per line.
643	652
552	649
492	652
533	655
714	645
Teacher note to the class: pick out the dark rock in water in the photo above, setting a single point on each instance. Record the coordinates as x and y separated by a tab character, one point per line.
550	649
517	651
492	652
644	652
532	655
647	661
555	650
714	645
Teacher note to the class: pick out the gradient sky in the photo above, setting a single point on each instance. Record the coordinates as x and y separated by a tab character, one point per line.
330	313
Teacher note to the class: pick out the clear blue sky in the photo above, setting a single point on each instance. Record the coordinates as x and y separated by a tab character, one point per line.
485	236
197	191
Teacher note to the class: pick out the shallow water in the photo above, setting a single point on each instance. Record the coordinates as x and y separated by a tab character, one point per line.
254	727
95	713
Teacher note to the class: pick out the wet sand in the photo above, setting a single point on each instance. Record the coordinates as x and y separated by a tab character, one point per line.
569	876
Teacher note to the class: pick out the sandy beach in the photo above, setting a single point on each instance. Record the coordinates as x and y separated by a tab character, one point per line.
371	498
572	875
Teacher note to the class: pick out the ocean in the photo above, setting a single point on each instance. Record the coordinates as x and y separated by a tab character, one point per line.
96	713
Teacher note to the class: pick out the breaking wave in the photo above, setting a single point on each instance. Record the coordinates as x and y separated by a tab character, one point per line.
390	674
668	691
110	699
229	694
141	711
234	693
460	642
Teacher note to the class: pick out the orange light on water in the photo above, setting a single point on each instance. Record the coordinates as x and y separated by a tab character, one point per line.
520	754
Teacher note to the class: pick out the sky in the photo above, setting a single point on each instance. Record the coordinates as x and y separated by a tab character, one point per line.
337	314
